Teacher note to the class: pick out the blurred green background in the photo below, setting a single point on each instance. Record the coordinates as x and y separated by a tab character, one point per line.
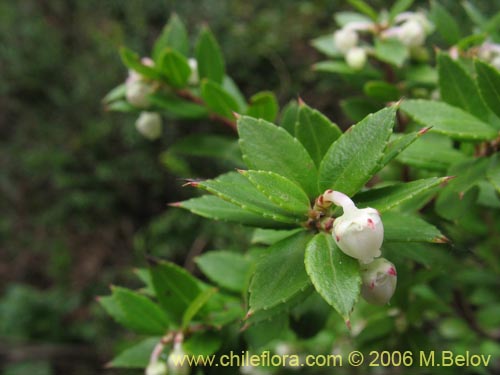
83	195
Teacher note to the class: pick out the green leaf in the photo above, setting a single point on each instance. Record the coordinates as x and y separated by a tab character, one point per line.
433	152
458	88
174	35
445	23
422	74
263	105
335	275
364	8
289	117
316	132
121	106
448	120
399	227
238	190
209	57
382	91
177	107
474	14
344	18
175	289
117	93
398	144
357	108
203	343
216	208
137	356
493	173
196	305
218	100
281	191
388	197
355	157
391	51
488	80
232	89
227	269
138	312
398	7
174	66
268	147
271	236
280	275
132	61
341	67
325	45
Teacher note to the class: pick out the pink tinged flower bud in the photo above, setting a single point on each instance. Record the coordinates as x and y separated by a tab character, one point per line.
156	368
356	58
194	77
411	33
177	361
149	125
359	233
345	39
379	281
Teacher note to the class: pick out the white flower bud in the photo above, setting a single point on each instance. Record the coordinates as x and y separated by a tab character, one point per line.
345	39
177	361
137	92
411	33
496	62
356	58
379	281
194	77
149	125
156	368
359	233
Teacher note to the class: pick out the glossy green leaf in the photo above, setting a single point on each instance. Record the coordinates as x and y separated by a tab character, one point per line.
325	45
341	67
399	227
174	66
458	88
493	173
268	147
271	236
422	74
138	312
209	57
335	276
382	91
232	89
238	190
136	356
488	80
445	24
388	197
117	93
216	208
289	117
364	8
315	131
202	343
474	14
175	289
121	106
263	105
398	7
218	100
132	61
391	51
196	305
177	107
355	157
347	17
281	191
448	120
227	269
397	144
174	35
280	275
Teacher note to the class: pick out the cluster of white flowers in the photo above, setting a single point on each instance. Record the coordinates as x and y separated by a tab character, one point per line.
490	52
346	41
359	233
411	29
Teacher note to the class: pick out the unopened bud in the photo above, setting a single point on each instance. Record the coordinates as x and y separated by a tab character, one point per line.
177	362
359	233
379	281
194	77
156	368
137	92
411	33
149	125
356	58
345	39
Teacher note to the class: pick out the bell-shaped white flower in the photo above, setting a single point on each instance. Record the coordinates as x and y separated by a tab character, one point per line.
345	39
379	281
194	77
356	58
149	125
359	233
177	361
411	33
137	89
156	368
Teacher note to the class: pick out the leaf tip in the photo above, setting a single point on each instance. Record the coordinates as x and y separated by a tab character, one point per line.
348	324
242	171
236	115
445	180
245	327
248	314
424	130
301	102
175	204
441	239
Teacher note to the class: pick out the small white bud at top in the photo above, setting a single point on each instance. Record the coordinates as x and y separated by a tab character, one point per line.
411	33
345	39
156	368
379	279
194	77
149	125
359	233
356	58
